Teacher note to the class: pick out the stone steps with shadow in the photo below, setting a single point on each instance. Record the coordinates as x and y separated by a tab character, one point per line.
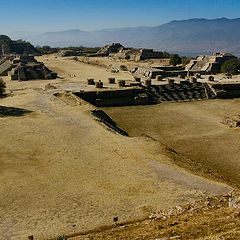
181	92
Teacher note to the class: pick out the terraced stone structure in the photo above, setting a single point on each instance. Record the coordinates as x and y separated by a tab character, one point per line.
162	71
145	54
25	67
148	93
226	90
183	91
5	66
118	51
208	64
108	49
119	97
136	54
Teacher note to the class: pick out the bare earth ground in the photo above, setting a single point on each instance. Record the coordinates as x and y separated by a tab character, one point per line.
110	63
63	172
193	129
213	222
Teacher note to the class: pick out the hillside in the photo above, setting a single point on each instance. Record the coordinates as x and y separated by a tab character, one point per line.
19	47
193	35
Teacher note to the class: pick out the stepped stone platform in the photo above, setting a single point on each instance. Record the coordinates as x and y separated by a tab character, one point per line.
208	64
153	94
25	67
104	98
147	95
226	90
182	92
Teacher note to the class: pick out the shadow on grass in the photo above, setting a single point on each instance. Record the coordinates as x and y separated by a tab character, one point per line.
13	112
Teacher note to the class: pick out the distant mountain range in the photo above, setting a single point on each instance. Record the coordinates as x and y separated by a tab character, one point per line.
186	36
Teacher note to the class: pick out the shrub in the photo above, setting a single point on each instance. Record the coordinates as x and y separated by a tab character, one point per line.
123	68
2	87
231	66
61	238
175	60
75	58
186	60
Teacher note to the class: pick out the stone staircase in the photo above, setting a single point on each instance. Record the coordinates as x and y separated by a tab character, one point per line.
200	65
209	92
5	66
181	92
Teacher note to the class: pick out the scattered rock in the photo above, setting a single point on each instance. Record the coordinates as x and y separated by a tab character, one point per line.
234	202
169	238
49	86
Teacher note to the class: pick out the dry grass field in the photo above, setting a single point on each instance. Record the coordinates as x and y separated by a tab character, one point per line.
63	172
195	130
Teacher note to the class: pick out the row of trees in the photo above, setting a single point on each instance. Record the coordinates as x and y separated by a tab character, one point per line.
175	59
50	50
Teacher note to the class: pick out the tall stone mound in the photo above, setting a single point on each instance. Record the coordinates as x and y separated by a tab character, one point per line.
8	46
109	49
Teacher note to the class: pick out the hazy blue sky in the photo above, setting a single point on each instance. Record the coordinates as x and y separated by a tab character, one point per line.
55	15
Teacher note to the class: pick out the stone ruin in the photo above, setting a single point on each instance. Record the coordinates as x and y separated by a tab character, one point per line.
183	91
68	53
118	51
134	54
25	67
226	90
125	54
146	72
109	49
208	64
163	71
115	97
144	54
233	121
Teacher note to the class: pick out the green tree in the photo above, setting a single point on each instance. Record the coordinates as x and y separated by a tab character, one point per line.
186	60
2	87
175	60
47	49
231	66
